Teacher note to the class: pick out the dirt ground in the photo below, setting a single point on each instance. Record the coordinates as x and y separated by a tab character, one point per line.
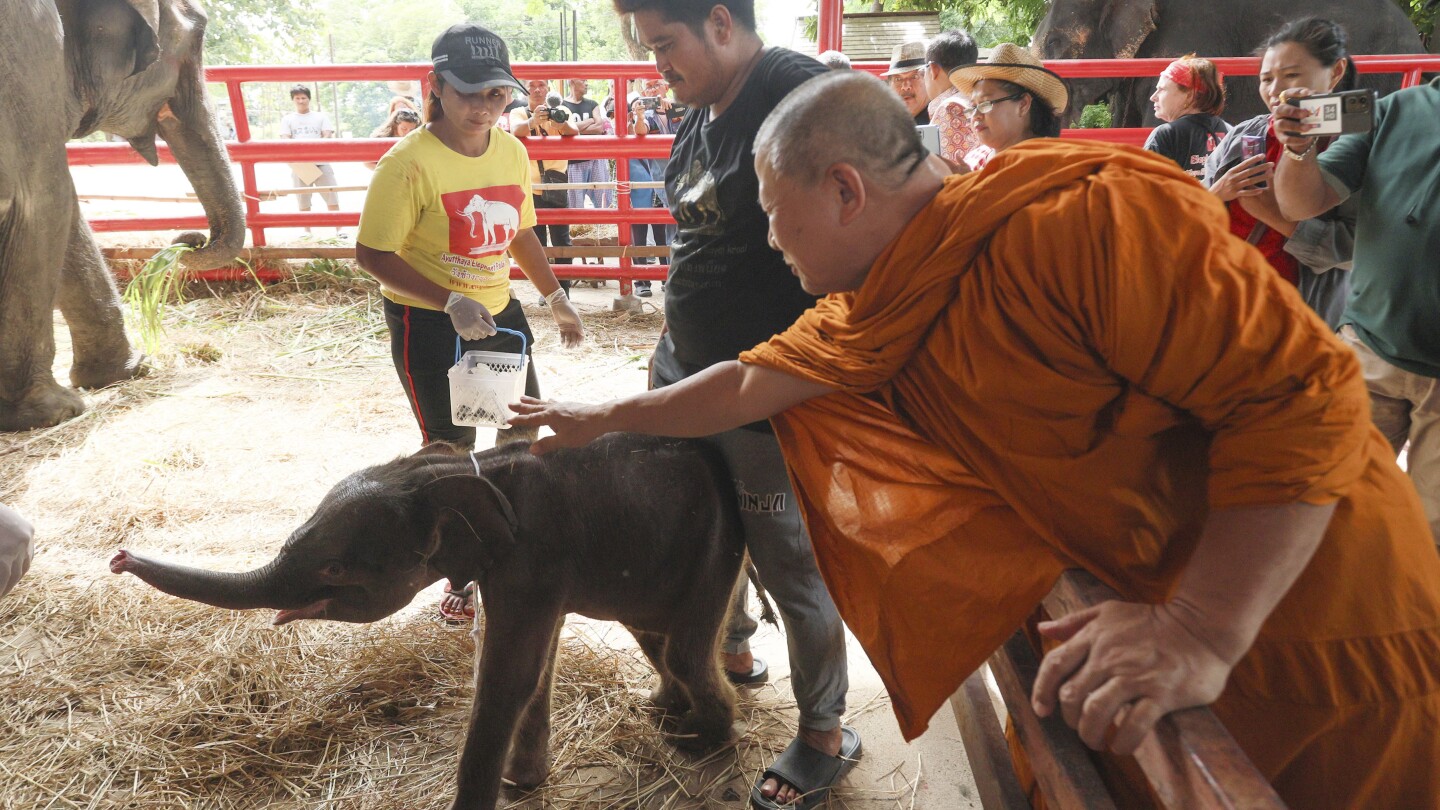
115	695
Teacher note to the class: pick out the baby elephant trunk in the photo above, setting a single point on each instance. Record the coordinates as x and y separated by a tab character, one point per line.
242	591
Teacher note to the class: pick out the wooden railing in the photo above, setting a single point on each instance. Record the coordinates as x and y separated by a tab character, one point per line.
1190	761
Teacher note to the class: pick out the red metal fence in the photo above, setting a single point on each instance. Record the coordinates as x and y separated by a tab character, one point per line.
247	152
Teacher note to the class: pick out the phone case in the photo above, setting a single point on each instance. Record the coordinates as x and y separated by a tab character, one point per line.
1340	113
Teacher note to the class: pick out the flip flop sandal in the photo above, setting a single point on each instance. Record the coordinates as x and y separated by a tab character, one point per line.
808	771
467	613
759	673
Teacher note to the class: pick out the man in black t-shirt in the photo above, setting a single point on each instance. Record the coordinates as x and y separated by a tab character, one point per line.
586	115
728	291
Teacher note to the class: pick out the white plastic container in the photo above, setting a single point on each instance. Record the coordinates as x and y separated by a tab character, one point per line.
483	384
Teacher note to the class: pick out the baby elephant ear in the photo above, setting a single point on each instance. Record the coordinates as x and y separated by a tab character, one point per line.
147	37
470	513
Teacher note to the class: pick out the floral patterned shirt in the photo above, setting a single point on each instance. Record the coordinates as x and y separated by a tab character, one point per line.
956	135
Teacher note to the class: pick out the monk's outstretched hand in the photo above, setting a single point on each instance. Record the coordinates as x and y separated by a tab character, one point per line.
574	424
1121	668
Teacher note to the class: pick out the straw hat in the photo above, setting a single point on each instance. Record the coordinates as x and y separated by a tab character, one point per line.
1014	64
906	57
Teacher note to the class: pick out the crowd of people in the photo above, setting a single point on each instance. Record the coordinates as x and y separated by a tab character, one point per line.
1019	354
940	379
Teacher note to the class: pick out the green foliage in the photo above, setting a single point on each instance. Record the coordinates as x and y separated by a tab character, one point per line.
1095	116
371	31
989	21
158	283
1424	14
249	32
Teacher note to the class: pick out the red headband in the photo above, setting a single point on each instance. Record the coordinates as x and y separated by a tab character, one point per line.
1180	73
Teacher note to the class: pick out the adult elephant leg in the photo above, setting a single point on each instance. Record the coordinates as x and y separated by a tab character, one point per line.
91	306
34	218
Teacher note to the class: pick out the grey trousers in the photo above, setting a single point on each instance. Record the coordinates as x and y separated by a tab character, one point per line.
785	561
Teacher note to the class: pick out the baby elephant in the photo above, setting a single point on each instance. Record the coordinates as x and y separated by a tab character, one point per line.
633	529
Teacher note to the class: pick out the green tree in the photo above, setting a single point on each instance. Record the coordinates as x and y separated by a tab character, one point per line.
374	31
1423	13
250	32
989	21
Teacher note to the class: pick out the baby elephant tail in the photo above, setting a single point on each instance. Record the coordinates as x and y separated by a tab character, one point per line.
767	610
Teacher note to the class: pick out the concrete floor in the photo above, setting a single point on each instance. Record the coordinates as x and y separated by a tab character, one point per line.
930	773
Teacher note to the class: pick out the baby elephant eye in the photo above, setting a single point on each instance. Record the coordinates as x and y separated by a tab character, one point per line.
332	569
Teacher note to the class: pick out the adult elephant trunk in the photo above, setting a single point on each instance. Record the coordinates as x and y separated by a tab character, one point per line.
242	591
188	126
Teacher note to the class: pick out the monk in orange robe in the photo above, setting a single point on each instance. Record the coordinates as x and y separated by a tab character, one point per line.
1066	360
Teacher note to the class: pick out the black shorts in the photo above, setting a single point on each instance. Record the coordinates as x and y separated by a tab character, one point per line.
422	345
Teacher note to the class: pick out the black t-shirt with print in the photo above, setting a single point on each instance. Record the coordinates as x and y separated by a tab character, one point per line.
1188	140
728	289
582	110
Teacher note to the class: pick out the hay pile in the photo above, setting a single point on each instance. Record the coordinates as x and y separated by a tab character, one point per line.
114	695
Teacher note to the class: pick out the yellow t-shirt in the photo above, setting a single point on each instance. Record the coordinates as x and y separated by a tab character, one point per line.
450	216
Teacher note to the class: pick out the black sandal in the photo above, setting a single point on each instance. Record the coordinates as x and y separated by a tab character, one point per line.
808	771
759	673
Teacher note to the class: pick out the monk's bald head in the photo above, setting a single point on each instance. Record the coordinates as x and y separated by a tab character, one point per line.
840	117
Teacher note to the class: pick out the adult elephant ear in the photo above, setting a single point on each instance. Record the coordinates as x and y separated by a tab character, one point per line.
147	37
1126	24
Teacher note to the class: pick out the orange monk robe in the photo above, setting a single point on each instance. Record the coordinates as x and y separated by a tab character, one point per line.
1067	360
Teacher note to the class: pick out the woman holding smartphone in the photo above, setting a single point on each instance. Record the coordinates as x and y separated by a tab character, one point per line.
1314	254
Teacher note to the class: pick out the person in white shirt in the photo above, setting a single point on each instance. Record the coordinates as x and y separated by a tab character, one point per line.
305	123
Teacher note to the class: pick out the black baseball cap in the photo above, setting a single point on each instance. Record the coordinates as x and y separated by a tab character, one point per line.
470	59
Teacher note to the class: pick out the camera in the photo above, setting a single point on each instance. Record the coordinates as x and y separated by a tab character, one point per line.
558	113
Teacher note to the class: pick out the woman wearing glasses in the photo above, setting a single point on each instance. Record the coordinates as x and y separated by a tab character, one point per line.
1012	98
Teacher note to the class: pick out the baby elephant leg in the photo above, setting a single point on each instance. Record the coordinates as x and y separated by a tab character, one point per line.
670	697
518	644
530	750
692	657
695	665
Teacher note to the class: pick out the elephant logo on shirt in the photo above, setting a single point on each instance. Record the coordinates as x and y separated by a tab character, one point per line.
499	221
483	221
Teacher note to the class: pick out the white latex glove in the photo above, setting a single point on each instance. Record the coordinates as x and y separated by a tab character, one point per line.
17	547
471	319
571	332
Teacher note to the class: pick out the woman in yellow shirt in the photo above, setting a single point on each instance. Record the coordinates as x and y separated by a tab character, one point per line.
447	208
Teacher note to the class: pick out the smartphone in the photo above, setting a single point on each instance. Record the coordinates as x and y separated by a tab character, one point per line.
649	102
930	137
1340	113
1250	146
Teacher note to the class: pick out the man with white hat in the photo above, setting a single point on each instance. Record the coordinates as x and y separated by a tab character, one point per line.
906	78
